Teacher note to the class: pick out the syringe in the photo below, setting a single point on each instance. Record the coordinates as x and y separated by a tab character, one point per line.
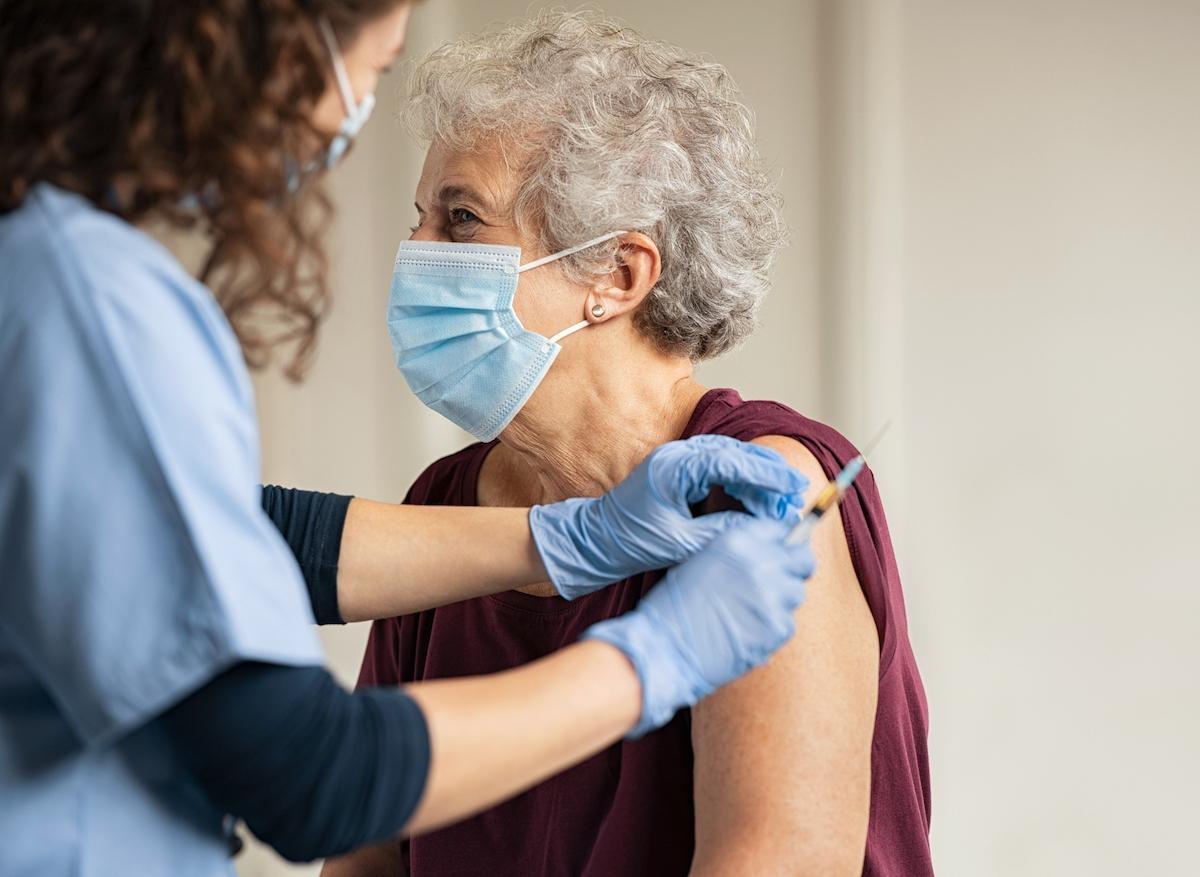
833	492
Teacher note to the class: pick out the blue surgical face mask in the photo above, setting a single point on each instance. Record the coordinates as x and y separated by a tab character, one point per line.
357	114
457	338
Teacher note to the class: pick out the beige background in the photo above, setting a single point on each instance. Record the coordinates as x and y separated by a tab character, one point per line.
995	209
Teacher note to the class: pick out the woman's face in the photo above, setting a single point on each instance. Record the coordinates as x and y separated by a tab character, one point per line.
467	197
370	55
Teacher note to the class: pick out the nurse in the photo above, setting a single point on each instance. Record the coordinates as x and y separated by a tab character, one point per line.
159	676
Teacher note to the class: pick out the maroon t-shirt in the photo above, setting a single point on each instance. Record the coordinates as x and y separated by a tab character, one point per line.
628	810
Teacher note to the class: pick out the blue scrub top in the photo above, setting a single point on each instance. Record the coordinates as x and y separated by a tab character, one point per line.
135	560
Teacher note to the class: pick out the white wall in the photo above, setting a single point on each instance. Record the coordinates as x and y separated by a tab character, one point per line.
994	209
1050	290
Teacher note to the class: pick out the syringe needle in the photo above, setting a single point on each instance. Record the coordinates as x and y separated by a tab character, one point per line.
831	494
876	439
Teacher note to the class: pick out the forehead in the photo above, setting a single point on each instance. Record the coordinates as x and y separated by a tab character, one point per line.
383	35
484	169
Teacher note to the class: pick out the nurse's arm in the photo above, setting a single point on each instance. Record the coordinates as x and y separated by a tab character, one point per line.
366	560
363	560
317	771
494	736
442	554
491	737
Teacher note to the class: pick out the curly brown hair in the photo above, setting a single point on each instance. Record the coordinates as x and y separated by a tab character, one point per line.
190	111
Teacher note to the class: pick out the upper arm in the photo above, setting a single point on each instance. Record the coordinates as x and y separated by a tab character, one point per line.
783	755
310	768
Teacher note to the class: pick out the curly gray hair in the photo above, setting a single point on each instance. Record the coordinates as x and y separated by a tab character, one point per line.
617	131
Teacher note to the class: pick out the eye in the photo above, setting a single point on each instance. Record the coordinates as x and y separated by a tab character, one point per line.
462	216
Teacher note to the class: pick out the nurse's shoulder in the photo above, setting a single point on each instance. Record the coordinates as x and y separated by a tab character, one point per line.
138	561
80	276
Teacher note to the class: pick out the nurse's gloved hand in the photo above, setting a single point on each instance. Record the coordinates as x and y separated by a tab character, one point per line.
644	522
715	616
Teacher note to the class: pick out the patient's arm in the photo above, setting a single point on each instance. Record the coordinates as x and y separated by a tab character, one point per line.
783	755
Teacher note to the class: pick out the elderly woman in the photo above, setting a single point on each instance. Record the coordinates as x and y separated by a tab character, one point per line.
625	172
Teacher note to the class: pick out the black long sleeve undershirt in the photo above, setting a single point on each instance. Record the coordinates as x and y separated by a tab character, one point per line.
312	769
312	525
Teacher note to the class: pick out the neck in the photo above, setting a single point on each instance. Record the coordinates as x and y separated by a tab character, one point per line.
587	429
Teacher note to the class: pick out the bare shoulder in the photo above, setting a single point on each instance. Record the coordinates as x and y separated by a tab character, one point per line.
783	754
799	456
829	540
835	600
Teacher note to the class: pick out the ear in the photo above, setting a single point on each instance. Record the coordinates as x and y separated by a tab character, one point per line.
638	268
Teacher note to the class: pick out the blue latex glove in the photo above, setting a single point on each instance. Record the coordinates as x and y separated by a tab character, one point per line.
715	616
644	523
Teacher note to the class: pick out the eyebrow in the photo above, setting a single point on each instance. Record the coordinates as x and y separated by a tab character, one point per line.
455	191
465	193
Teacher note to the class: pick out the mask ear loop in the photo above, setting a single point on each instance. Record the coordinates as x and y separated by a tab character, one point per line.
553	257
339	66
546	260
570	330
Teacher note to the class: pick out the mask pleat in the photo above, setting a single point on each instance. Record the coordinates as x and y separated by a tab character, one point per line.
457	339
